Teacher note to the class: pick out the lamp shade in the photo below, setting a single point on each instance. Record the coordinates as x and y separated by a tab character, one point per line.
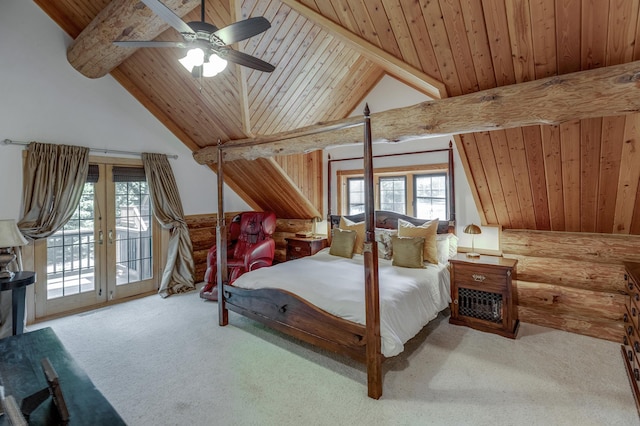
10	235
194	58
214	66
472	229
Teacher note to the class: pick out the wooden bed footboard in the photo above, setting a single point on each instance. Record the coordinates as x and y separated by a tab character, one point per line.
292	315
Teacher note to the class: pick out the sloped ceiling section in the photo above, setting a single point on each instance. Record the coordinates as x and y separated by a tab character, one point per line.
578	176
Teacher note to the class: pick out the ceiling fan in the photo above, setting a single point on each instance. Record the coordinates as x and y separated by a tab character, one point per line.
208	45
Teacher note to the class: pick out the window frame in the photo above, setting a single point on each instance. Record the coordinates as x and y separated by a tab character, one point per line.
402	177
407	171
446	186
349	204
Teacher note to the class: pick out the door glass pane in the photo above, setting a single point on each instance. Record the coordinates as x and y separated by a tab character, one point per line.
70	251
133	237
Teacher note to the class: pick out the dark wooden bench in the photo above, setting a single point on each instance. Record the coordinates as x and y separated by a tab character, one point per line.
22	375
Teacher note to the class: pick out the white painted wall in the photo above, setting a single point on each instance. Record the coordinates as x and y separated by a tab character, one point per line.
43	98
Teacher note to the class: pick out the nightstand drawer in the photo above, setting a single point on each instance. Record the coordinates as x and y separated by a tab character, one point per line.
473	276
300	247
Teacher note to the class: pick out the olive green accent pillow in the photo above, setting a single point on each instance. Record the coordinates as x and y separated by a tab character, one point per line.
428	231
342	243
408	252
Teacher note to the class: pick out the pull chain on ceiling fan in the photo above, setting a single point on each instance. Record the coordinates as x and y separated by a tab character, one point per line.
208	46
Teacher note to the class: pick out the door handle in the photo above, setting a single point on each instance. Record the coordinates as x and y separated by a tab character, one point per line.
110	236
100	237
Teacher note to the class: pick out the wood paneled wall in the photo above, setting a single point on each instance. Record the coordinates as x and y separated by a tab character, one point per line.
572	281
202	230
306	171
581	176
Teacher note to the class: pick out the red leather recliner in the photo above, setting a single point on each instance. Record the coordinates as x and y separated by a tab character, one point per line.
250	246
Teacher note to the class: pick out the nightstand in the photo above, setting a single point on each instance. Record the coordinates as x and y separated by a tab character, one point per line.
298	247
484	294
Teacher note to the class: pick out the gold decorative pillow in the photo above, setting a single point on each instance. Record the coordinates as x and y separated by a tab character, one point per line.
342	243
407	251
428	231
359	228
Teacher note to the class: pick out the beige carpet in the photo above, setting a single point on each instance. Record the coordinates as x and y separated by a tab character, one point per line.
167	362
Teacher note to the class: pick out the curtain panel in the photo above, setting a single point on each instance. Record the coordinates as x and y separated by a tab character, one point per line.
54	177
178	274
53	180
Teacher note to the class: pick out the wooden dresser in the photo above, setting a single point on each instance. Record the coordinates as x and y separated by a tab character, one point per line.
484	295
631	339
298	247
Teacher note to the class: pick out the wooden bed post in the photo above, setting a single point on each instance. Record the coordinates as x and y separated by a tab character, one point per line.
452	187
221	245
370	252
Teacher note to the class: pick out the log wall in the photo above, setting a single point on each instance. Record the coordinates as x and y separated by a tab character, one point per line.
572	281
202	230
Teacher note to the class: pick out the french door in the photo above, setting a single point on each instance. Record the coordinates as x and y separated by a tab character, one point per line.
109	248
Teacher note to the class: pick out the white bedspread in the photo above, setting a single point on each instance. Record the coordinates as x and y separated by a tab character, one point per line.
409	298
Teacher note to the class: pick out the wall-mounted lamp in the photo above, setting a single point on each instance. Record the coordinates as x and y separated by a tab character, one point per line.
473	230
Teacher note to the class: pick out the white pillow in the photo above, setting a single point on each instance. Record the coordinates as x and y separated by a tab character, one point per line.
447	245
442	244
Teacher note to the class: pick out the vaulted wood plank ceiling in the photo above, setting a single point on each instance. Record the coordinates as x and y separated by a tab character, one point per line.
578	176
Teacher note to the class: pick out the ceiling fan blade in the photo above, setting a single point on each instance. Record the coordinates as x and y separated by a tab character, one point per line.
168	16
150	44
241	30
246	60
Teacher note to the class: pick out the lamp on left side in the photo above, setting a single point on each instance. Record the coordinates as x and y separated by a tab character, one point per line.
10	237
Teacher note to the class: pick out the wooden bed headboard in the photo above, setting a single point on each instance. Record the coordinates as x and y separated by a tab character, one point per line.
389	220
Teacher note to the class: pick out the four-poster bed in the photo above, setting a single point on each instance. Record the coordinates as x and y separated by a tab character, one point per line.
293	315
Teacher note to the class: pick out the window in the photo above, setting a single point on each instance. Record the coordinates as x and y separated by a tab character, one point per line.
431	196
355	195
419	191
393	194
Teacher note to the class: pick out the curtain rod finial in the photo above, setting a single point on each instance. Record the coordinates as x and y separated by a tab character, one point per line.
366	109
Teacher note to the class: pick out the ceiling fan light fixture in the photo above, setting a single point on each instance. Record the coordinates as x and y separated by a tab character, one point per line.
194	58
214	66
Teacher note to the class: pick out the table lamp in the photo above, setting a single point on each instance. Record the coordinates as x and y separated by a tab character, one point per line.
473	230
10	237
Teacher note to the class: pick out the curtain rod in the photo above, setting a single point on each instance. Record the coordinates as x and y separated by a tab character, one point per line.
104	151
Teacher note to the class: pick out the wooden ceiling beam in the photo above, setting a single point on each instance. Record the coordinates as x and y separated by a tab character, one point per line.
392	65
93	53
600	92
